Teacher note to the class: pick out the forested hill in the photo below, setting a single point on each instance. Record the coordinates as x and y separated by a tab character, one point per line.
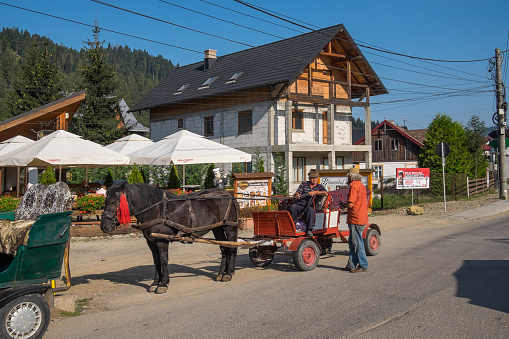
137	71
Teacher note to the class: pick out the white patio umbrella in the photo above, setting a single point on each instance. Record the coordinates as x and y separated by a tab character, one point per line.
13	143
129	144
185	147
65	149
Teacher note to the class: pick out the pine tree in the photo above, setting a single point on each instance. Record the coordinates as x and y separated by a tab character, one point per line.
48	176
280	184
135	176
173	181
209	179
108	181
97	118
38	83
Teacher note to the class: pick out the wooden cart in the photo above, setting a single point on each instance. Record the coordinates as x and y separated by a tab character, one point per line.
280	233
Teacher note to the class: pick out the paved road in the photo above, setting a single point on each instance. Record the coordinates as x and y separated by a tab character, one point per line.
438	281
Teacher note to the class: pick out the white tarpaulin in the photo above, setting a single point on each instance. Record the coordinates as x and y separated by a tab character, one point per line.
185	147
129	144
63	149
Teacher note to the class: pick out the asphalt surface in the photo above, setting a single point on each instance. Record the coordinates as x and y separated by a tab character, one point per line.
429	281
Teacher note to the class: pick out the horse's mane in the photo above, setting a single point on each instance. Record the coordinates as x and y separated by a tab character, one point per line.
147	193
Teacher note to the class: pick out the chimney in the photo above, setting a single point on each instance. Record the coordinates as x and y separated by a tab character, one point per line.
210	58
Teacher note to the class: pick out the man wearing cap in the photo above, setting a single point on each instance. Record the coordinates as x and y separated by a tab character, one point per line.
310	188
356	220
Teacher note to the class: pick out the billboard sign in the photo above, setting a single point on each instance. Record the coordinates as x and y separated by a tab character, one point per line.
408	178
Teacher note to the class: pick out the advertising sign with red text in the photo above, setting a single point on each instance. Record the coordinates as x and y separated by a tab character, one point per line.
407	178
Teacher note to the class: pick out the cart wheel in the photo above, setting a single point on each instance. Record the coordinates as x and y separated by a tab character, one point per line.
25	317
325	246
372	242
306	256
261	256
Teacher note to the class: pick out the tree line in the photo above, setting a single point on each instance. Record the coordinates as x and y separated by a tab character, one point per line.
135	71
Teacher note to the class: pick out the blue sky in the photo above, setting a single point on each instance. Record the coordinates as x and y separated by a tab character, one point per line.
418	90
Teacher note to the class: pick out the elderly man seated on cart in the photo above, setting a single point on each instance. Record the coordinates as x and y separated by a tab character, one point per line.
304	194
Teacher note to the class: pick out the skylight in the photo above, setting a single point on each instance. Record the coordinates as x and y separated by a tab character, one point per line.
181	89
209	82
234	77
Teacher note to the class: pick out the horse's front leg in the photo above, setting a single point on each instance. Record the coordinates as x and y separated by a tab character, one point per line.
162	247
157	266
231	258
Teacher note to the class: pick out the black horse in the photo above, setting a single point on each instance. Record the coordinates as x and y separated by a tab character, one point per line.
163	212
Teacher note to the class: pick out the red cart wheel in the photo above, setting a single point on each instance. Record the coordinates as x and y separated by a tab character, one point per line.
307	255
372	242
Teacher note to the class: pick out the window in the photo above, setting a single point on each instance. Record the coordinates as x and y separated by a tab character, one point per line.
394	144
208	82
297	117
180	123
181	89
378	144
299	169
234	77
325	163
209	126
378	171
245	122
340	162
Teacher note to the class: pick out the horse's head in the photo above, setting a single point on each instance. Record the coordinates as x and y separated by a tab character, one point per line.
111	204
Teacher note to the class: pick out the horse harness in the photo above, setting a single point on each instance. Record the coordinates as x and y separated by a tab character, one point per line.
183	229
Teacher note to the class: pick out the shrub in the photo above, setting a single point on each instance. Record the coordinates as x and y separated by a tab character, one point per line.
173	181
108	180
135	176
90	204
48	176
8	204
209	179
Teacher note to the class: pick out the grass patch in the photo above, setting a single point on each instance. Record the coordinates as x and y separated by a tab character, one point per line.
80	306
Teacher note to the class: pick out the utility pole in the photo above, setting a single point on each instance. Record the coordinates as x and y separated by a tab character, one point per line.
501	107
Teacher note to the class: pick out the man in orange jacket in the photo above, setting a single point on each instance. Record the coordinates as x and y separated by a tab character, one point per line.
356	220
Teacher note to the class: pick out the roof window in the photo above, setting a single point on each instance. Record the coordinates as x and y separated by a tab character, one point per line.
181	89
208	82
234	77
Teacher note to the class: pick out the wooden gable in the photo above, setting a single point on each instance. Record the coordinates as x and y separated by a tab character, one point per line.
51	117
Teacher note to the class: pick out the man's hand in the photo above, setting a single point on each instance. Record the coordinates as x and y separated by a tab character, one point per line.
297	195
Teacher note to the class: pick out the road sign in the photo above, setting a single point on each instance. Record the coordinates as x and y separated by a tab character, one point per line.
442	146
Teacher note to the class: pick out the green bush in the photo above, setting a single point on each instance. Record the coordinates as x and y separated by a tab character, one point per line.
108	180
209	179
8	204
48	177
90	204
135	176
174	181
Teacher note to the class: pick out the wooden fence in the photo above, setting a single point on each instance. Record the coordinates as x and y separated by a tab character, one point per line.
478	186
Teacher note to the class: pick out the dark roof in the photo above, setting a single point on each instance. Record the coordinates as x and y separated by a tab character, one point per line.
274	63
399	129
357	134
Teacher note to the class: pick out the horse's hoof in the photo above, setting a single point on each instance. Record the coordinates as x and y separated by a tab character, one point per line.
161	290
152	289
219	277
226	278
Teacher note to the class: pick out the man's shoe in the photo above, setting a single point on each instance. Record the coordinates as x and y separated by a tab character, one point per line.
348	269
309	233
359	270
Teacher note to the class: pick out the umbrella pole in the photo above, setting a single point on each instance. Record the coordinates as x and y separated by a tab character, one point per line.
60	173
86	174
184	175
17	186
